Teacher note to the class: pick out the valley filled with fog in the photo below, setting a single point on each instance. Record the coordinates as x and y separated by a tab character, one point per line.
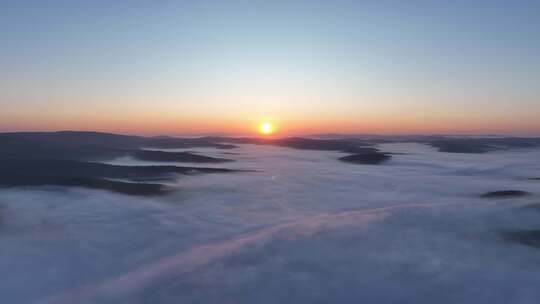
286	226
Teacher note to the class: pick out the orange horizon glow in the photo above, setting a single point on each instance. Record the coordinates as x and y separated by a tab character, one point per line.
155	126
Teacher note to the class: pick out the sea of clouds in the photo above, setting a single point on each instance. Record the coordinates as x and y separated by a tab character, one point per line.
300	227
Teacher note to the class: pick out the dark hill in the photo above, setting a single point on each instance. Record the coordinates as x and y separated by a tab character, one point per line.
505	194
95	146
35	172
370	158
161	156
482	145
524	237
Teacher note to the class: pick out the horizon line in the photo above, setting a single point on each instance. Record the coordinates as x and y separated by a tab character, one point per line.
251	135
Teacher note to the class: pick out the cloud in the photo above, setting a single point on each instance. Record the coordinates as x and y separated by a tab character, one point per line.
302	228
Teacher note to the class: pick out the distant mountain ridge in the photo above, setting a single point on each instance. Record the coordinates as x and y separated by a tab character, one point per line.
70	158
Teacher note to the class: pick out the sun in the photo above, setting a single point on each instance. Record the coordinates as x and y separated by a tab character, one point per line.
266	128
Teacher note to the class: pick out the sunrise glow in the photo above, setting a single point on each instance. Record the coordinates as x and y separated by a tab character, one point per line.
266	128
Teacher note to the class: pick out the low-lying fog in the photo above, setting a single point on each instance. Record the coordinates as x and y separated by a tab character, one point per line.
302	227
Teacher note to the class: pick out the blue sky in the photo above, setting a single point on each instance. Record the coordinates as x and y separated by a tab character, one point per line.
221	66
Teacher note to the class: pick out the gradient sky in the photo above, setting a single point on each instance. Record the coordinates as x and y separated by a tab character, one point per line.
193	67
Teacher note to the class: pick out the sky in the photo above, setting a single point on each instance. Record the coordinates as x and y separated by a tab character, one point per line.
212	67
